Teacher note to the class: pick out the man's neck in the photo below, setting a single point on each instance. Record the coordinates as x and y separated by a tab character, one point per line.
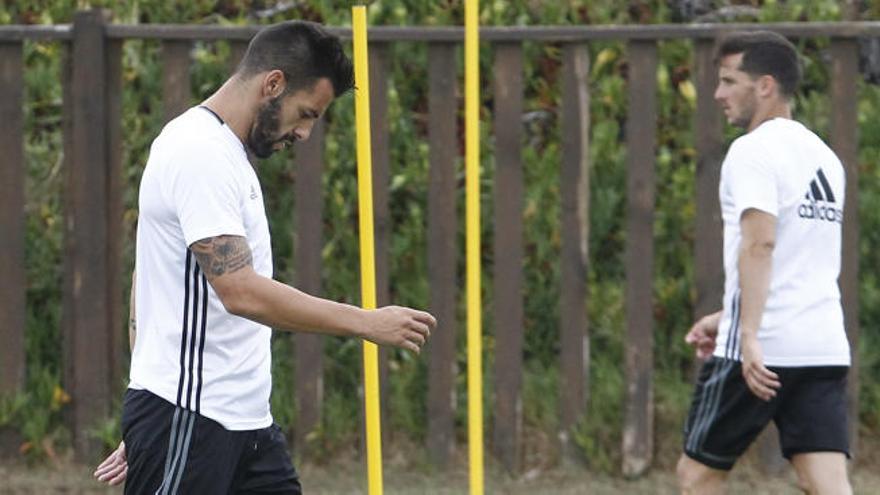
779	110
232	102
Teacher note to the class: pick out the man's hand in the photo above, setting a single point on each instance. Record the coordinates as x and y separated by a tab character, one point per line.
761	381
702	335
114	468
400	327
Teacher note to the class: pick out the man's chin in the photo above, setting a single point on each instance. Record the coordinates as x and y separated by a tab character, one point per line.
738	123
261	152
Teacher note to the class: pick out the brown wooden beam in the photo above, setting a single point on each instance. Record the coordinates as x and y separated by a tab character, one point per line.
118	377
574	186
381	161
709	143
191	32
13	284
638	429
85	314
442	248
508	254
426	34
175	77
845	142
309	348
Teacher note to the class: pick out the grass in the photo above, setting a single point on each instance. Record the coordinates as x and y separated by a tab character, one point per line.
346	475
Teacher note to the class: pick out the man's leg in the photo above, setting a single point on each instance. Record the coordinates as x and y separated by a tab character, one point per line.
266	468
822	473
146	421
724	418
698	479
813	429
173	451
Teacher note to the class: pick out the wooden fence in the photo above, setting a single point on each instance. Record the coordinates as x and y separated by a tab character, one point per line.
94	343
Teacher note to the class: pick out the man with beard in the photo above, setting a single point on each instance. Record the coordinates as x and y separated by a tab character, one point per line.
777	350
196	415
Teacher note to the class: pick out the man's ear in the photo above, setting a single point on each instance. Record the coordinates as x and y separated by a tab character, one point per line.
767	85
274	83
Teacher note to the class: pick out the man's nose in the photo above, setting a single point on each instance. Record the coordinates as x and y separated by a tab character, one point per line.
302	132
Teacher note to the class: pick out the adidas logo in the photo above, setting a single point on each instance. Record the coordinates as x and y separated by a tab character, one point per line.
820	192
253	192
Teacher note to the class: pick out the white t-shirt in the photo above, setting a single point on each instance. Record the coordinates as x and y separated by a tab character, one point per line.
784	169
189	350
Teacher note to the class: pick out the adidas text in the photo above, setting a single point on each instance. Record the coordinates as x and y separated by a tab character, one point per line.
827	213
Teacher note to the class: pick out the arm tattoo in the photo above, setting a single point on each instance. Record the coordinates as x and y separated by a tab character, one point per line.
222	254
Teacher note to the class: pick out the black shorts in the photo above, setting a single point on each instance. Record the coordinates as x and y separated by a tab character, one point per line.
725	416
172	450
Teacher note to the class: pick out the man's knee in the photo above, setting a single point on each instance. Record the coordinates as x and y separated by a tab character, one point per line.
822	473
696	478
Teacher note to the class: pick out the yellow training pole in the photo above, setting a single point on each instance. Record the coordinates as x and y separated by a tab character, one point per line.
472	208
368	257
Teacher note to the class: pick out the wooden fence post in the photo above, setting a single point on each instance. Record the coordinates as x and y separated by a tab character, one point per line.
638	430
574	185
309	348
844	141
237	50
175	77
12	217
508	249
118	323
87	272
379	136
442	244
709	143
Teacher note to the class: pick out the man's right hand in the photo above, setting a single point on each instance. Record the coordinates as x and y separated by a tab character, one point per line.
702	335
399	327
114	468
760	380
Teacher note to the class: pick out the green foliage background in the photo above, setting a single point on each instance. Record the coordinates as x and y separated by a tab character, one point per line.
37	412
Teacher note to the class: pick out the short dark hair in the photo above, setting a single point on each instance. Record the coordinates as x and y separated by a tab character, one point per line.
764	53
303	51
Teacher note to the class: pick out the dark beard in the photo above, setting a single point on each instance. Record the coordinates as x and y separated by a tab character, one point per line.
261	138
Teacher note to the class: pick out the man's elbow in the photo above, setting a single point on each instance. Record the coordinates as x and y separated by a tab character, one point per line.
237	306
760	248
237	298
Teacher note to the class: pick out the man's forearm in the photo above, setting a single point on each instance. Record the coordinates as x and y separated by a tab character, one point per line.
713	319
755	267
280	306
132	321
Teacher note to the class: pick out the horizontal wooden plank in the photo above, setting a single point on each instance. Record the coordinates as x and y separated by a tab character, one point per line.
495	33
456	34
19	32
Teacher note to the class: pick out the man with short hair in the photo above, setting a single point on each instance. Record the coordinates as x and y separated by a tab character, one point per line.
196	416
778	347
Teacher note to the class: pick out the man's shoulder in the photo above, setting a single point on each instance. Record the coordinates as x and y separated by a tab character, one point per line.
749	146
772	137
189	131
